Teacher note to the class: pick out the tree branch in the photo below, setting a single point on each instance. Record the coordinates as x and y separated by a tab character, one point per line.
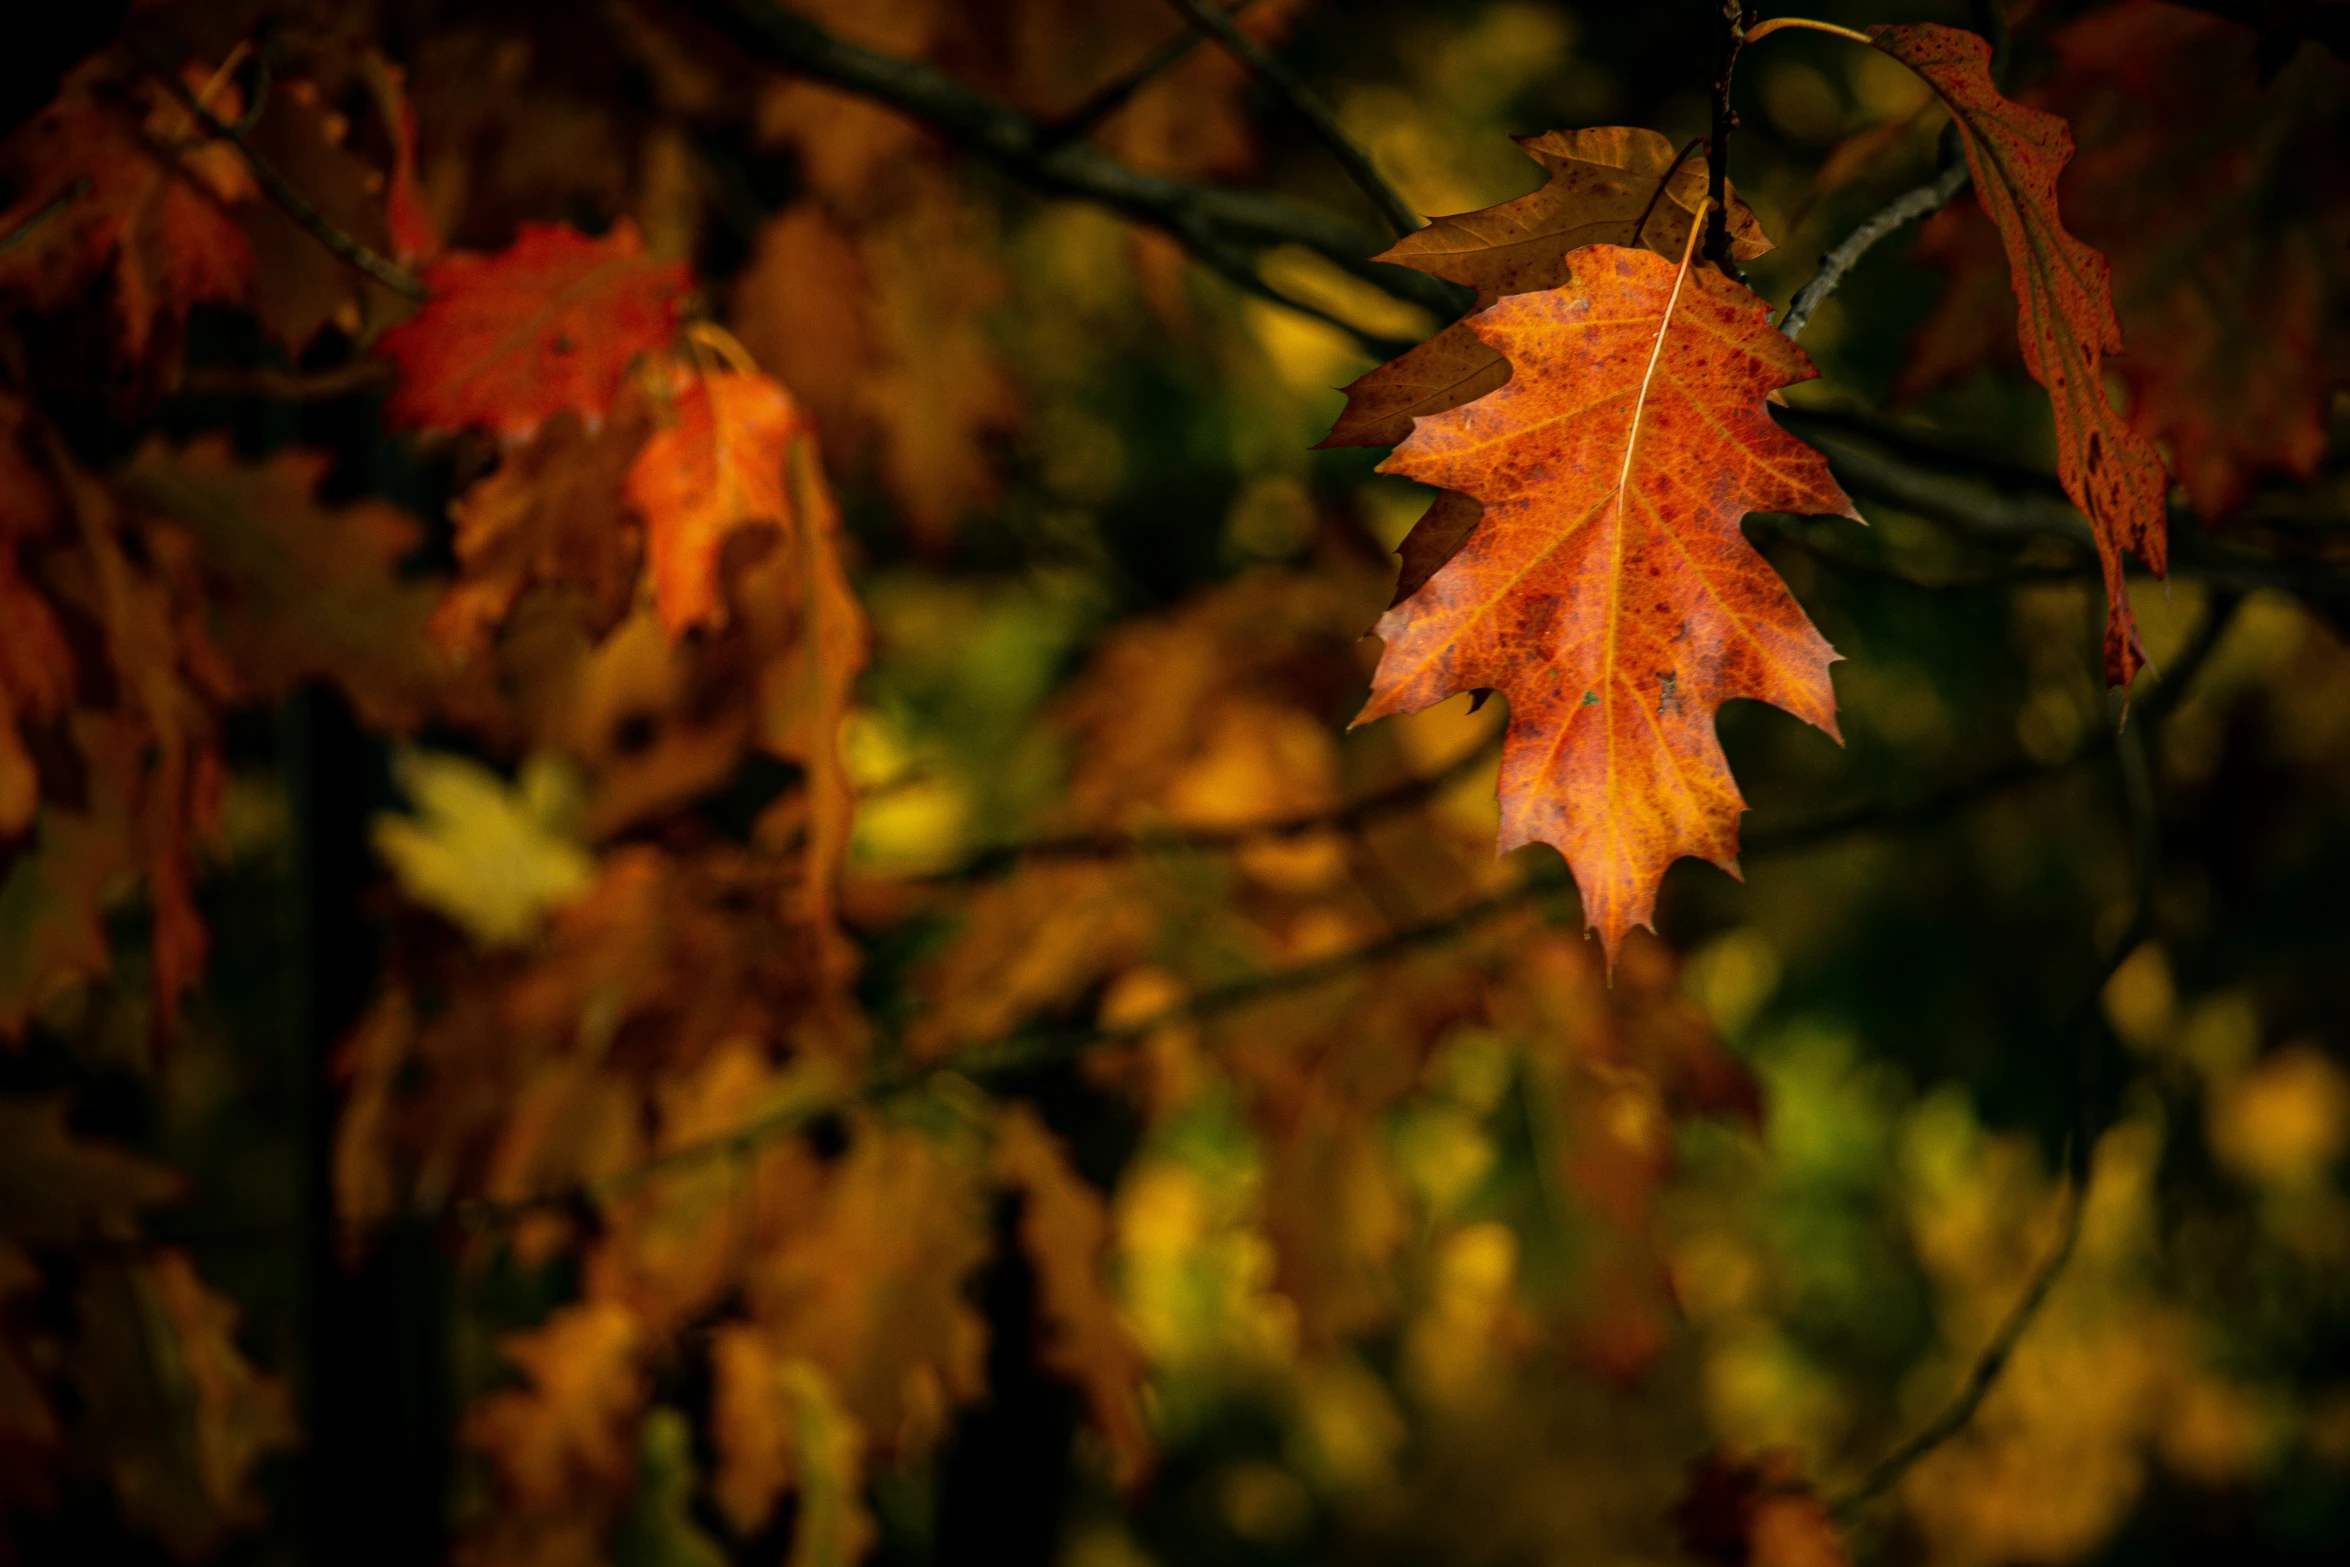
1907	207
1308	106
1001	858
1109	99
2137	800
1022	1052
289	200
1995	501
1213	221
1717	213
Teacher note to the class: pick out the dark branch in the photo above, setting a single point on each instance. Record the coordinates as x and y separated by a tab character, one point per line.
996	861
1307	105
1024	1051
1907	207
1108	100
1717	212
1217	223
35	222
289	200
1994	501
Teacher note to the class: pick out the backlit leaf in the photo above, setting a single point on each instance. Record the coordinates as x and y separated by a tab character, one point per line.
491	856
719	468
551	322
1608	592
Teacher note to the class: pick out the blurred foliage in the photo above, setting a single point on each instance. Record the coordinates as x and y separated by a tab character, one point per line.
541	1174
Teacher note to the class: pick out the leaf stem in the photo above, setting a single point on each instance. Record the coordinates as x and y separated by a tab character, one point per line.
1307	105
1761	30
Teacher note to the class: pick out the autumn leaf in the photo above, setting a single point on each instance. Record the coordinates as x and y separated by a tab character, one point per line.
300	286
1608	592
54	896
36	684
552	322
2238	331
719	468
575	1418
495	858
58	1188
2064	313
299	589
554	512
1614	185
780	1426
179	1414
1065	1228
407	217
113	179
878	320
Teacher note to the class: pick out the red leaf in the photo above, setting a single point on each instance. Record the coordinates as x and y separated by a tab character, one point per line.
551	322
113	179
2064	312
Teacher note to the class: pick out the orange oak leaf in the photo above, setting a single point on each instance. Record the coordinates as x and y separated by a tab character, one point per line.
113	179
1608	592
1613	185
551	322
2064	312
719	468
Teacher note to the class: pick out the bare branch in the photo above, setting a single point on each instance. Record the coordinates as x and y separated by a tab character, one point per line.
1907	207
1725	119
35	222
1108	100
2137	800
1025	1051
996	861
289	200
1215	222
1998	502
1886	1473
1308	106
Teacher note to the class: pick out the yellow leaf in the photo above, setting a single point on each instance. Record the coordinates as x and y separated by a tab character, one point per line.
491	856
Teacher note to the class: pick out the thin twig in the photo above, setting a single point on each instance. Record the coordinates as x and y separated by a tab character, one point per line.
289	200
1000	858
1026	1051
2137	802
1886	1473
1991	499
1307	105
286	386
1215	222
48	213
1109	99
1908	207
